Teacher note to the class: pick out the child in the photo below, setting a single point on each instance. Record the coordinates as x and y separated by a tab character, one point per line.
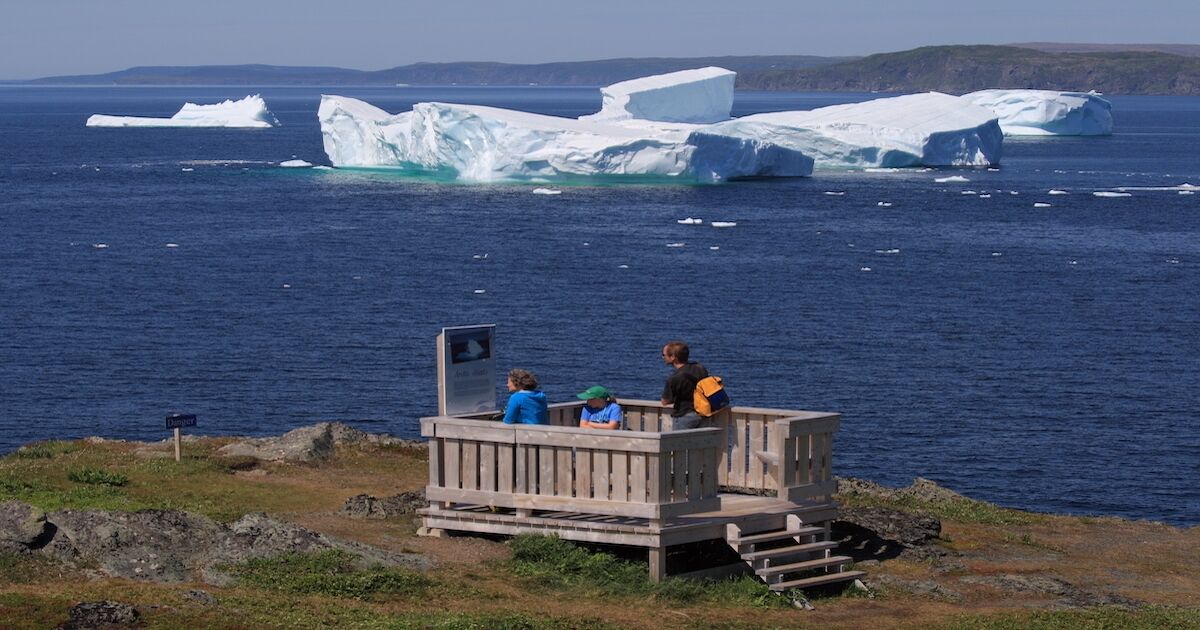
600	411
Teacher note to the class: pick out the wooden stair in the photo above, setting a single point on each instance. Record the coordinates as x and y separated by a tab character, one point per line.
795	557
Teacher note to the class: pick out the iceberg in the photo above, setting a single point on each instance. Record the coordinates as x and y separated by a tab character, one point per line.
250	112
1047	112
479	143
931	129
703	95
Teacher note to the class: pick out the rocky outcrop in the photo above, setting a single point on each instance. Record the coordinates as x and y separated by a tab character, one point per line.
876	533
367	506
170	545
21	526
103	614
309	444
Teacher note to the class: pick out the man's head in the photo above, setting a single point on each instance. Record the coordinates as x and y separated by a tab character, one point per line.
675	353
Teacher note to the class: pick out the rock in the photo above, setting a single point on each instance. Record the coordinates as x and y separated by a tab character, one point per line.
367	506
22	526
200	596
878	533
311	443
173	546
924	490
92	615
927	588
1071	596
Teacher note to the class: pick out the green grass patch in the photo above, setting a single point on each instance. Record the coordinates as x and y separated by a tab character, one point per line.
44	450
962	510
556	564
97	477
1104	618
335	573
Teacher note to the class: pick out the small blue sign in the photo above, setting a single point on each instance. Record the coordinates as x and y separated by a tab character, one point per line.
180	420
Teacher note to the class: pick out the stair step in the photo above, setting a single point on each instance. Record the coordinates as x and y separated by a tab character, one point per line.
827	578
820	563
787	551
776	535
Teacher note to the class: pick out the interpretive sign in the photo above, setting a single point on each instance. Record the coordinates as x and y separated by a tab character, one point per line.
177	421
466	365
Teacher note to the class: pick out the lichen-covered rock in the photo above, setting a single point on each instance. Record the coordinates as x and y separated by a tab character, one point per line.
92	615
21	526
367	506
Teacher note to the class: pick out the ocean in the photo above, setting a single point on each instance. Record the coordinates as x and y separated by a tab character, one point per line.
1041	358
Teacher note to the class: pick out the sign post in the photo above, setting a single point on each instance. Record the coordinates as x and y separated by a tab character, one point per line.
466	366
177	421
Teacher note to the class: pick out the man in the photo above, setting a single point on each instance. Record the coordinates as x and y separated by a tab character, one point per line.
681	385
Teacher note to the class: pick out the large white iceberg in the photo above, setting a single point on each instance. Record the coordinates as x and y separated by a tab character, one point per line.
931	129
249	112
1047	112
703	95
480	143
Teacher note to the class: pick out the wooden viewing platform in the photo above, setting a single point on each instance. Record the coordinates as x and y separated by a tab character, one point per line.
761	481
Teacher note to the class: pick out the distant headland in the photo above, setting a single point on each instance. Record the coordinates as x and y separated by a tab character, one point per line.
1169	69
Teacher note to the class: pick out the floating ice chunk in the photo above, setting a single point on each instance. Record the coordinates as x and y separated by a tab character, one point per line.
622	266
951	179
690	221
187	169
714	247
864	268
1105	193
723	224
1184	186
884	204
477	292
172	245
287	286
968	192
1041	205
1047	112
296	164
249	112
1057	192
100	245
996	254
322	167
985	196
546	191
1072	262
703	95
486	143
480	256
888	252
835	192
1013	192
675	244
992	169
931	129
1186	192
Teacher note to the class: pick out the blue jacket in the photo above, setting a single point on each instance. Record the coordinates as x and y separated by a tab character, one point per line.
526	407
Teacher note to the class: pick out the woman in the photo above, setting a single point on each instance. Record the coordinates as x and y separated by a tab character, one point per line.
526	405
601	411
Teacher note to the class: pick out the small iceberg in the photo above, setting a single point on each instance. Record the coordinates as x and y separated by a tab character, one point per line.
1057	192
836	193
1108	194
714	247
985	196
248	113
546	191
723	224
884	204
479	291
171	245
690	221
951	179
996	254
674	244
864	268
296	164
1185	192
100	245
1041	205
888	252
187	169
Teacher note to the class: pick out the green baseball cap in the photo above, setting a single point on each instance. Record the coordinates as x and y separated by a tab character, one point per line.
595	391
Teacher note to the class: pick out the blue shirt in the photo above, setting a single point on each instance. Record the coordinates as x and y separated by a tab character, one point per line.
526	407
610	412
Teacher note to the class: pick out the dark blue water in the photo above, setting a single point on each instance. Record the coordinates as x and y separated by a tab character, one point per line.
1040	358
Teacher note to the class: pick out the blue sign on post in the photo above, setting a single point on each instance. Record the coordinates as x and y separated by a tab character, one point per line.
180	420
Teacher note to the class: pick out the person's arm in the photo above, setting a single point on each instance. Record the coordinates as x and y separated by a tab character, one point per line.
667	398
513	409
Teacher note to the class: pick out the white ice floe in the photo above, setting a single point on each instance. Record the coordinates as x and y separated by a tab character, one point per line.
1013	192
479	291
675	244
100	245
1105	193
703	95
931	129
296	164
723	224
1047	112
836	193
951	179
480	256
714	247
690	221
187	169
1182	187
1041	205
622	266
884	204
968	192
985	196
172	245
1186	192
546	191
1057	192
888	252
322	167
287	286
864	268
477	143
249	112
995	254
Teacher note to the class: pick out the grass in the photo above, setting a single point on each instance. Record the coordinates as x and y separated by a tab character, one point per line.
556	564
1103	618
963	510
97	477
44	450
333	572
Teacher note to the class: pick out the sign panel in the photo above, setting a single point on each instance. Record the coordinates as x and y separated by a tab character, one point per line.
180	420
466	369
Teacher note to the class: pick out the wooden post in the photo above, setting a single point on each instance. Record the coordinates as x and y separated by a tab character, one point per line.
178	439
177	421
658	563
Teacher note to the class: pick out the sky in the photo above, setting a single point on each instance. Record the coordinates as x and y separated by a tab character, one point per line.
55	37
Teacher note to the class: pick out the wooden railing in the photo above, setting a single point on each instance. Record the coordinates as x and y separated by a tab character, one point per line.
646	471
